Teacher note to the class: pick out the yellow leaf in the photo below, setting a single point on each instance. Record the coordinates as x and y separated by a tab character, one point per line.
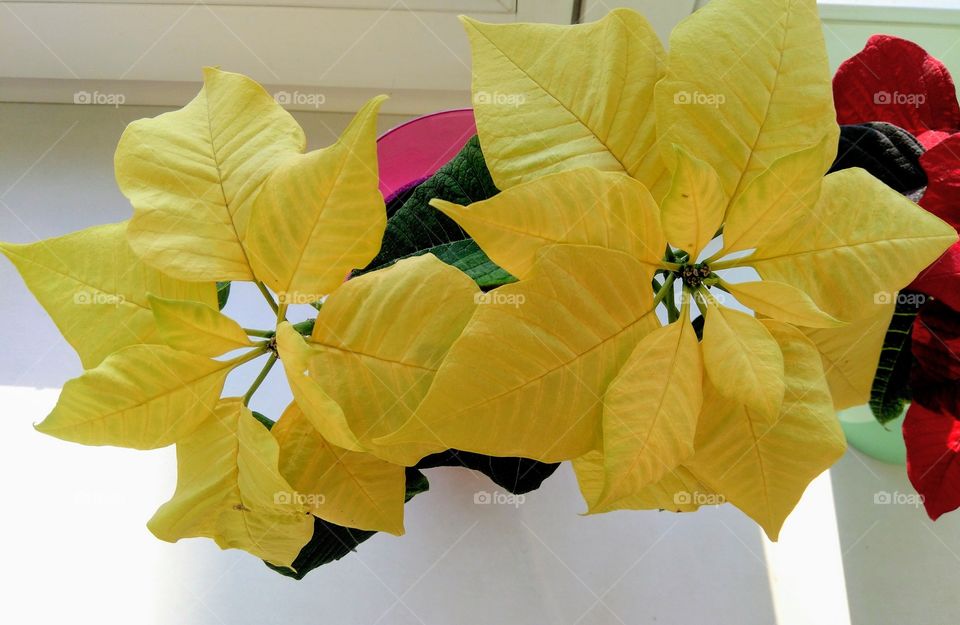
192	175
763	463
143	396
379	340
650	411
567	337
761	92
678	490
551	98
197	328
229	488
850	358
775	200
320	215
693	208
323	412
95	289
782	302
860	241
583	206
348	488
742	359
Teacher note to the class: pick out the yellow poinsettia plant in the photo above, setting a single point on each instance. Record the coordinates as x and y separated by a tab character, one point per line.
696	296
223	191
699	171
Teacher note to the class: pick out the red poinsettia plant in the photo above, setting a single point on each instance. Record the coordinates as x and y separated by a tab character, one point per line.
897	82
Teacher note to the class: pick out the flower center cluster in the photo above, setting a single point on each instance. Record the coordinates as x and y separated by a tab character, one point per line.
694	275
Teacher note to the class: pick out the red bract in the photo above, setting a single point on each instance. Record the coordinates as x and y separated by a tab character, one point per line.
933	459
896	81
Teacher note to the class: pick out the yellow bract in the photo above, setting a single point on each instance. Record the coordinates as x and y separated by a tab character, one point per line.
650	412
553	98
143	396
763	462
844	258
567	338
349	488
95	289
197	328
692	210
623	216
761	92
320	215
230	489
192	176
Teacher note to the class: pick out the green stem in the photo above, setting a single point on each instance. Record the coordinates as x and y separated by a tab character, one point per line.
282	312
253	354
671	266
665	289
260	378
264	334
672	313
267	296
701	305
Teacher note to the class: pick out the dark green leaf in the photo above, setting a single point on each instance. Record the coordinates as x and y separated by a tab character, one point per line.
223	293
891	384
417	226
467	256
888	152
331	542
516	475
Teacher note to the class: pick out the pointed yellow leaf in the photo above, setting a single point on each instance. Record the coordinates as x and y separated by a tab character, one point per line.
850	358
775	200
650	411
323	412
693	209
546	346
143	396
192	175
742	359
678	490
862	240
763	463
95	289
583	206
320	215
348	488
196	328
549	98
229	488
761	92
379	340
782	302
